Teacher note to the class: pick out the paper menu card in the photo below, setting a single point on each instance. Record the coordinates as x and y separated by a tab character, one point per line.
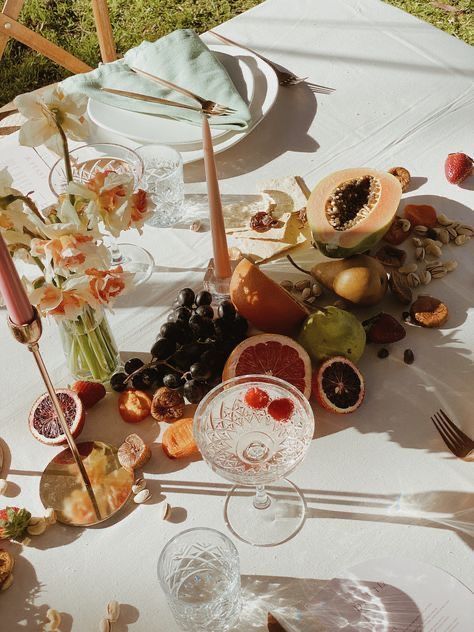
384	595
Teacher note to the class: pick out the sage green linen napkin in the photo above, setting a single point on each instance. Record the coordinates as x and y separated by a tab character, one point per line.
180	57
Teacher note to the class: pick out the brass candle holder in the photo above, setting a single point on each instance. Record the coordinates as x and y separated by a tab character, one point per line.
85	483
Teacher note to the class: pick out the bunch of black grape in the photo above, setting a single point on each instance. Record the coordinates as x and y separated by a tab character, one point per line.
191	350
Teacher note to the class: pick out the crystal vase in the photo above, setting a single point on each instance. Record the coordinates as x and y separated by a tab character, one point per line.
89	346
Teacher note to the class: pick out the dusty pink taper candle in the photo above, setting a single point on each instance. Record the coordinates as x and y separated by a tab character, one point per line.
222	269
12	290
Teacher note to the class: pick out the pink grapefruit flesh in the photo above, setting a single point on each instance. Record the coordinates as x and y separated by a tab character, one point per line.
271	354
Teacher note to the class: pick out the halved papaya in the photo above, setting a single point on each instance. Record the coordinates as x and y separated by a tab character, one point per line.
349	211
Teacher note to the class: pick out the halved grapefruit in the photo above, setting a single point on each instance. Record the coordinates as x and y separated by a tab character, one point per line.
271	354
263	302
44	423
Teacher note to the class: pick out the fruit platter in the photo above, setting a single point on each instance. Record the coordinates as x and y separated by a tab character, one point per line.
295	409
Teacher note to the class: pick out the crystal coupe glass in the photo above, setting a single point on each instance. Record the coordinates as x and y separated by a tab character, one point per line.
85	162
253	430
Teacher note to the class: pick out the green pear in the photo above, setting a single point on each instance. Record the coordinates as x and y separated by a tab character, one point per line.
331	332
362	280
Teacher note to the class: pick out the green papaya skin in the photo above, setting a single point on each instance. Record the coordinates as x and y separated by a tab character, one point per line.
333	251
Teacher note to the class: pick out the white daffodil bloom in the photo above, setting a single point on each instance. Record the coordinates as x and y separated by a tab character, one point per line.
15	216
110	197
46	113
66	253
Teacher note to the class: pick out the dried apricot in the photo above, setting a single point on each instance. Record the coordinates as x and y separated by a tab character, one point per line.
421	215
178	440
428	311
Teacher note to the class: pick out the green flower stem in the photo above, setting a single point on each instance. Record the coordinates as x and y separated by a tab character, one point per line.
67	159
89	346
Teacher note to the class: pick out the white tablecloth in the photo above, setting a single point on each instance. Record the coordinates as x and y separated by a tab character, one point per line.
379	482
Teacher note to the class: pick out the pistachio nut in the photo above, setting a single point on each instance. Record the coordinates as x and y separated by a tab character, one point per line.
113	611
142	496
36	526
302	284
460	240
287	285
451	265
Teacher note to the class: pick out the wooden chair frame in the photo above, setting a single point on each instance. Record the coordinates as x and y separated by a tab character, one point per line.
10	27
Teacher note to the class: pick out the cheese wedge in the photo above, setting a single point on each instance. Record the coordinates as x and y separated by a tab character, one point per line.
289	194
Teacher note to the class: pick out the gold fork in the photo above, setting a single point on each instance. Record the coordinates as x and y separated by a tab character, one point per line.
459	443
150	99
210	107
285	77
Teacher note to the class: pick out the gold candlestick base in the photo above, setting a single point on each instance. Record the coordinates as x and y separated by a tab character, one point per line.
85	485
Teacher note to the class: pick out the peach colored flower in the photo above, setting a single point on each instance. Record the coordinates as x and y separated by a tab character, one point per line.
142	208
106	285
67	253
61	303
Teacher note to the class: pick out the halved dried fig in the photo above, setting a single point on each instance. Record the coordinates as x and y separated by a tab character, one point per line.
167	405
262	221
428	311
384	329
402	175
398	285
133	453
391	256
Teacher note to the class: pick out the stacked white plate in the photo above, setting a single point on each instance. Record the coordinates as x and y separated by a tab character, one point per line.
254	79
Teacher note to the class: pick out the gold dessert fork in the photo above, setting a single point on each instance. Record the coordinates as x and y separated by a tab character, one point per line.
150	99
285	77
459	443
210	107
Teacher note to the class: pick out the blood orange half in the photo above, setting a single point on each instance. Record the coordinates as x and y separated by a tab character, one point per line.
271	354
44	423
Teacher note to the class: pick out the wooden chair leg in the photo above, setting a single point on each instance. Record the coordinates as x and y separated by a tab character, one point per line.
11	8
104	30
42	45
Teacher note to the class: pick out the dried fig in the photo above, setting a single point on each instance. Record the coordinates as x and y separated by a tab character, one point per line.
167	405
391	256
384	329
399	287
402	175
428	311
262	221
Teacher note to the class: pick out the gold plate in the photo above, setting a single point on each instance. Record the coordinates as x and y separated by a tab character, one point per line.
61	485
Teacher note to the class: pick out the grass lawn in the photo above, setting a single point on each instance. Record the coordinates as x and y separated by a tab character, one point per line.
69	23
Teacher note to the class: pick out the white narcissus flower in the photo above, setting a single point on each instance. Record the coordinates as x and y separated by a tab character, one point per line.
66	252
45	111
110	196
14	214
62	303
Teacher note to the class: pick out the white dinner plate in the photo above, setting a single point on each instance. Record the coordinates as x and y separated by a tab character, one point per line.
254	79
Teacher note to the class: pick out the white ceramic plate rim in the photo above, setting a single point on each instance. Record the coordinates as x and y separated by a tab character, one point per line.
266	93
146	128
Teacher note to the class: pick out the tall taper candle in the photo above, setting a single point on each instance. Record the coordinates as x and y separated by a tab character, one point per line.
12	290
222	269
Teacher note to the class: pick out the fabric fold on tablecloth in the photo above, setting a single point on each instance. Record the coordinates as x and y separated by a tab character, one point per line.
180	57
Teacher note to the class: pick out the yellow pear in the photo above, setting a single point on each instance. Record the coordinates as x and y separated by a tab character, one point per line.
362	280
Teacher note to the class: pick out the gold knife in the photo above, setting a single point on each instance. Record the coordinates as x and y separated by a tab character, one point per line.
148	98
